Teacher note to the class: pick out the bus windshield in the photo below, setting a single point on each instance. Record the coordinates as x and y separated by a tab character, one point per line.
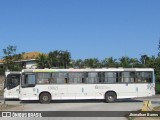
12	81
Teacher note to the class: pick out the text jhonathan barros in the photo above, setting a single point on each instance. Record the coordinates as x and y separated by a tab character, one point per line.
143	115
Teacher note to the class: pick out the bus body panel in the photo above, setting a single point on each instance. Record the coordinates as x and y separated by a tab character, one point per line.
66	92
12	93
146	89
89	91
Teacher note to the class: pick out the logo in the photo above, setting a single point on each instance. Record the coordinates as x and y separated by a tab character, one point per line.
6	114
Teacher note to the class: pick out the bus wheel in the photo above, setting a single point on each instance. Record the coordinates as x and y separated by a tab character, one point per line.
110	97
45	98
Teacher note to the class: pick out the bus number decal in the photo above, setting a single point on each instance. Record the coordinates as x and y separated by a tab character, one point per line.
101	87
53	88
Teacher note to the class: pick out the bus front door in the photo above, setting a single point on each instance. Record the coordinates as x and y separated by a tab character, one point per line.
11	90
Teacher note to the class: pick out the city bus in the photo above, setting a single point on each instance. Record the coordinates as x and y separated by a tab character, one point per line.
12	84
75	84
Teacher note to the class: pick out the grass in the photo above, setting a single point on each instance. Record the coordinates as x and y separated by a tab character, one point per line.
4	107
157	87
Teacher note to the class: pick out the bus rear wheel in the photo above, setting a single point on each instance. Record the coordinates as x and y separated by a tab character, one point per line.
45	98
110	97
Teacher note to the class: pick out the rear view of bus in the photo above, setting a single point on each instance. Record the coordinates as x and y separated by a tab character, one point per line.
11	85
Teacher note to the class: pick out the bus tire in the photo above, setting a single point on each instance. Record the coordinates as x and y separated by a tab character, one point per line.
45	98
110	97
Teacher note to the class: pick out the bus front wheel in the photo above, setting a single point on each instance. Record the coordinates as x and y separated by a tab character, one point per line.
110	97
45	98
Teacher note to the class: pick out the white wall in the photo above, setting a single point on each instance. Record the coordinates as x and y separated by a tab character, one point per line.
29	64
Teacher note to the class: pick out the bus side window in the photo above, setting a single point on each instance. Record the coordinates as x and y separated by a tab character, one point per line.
44	78
148	77
110	77
144	77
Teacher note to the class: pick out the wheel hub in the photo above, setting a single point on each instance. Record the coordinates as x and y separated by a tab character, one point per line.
45	98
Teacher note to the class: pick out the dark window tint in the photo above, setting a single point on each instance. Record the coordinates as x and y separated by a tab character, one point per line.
92	78
127	77
59	78
13	80
76	77
144	77
111	77
28	79
44	78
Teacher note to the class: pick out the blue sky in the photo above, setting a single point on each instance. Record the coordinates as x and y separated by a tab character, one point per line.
86	28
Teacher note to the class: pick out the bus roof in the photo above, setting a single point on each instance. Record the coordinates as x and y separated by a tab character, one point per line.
88	70
12	72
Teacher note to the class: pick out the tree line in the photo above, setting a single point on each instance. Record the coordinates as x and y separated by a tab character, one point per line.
62	59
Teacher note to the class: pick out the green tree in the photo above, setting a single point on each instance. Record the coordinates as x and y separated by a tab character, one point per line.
109	62
65	59
42	61
53	59
125	61
134	62
144	60
10	57
159	49
58	59
78	63
92	63
157	69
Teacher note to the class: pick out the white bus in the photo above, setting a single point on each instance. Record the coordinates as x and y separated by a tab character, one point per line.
12	84
65	84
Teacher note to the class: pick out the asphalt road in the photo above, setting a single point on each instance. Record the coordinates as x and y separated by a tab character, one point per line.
84	105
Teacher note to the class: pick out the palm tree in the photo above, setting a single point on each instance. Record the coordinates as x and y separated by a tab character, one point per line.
124	61
92	63
65	58
134	62
78	63
42	61
59	58
144	59
109	62
53	59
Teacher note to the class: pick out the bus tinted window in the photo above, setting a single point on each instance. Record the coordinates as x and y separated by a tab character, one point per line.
144	77
127	77
59	78
94	77
43	78
75	77
91	78
111	77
